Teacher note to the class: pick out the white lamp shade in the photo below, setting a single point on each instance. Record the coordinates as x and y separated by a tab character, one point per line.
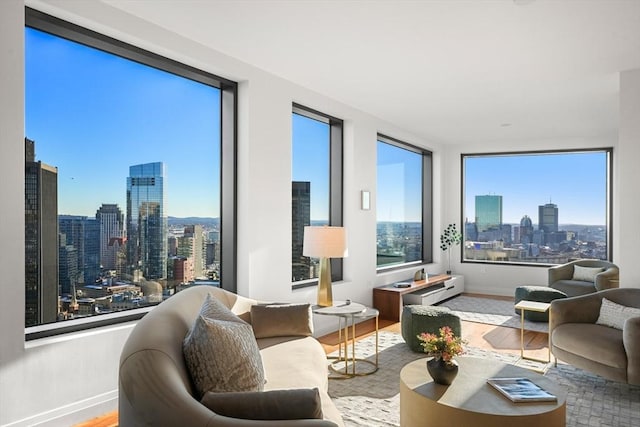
325	242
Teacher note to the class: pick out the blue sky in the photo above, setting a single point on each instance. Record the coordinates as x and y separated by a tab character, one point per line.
92	115
399	184
575	182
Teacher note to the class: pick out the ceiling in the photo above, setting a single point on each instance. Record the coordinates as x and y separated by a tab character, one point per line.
455	72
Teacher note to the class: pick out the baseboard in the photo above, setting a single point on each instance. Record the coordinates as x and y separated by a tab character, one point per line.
72	414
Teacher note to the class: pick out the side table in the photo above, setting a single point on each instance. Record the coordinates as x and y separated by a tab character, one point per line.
347	314
539	307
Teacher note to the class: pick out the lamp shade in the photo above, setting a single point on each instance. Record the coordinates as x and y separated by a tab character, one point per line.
325	242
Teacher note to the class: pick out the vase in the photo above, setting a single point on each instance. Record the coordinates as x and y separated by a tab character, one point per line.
441	371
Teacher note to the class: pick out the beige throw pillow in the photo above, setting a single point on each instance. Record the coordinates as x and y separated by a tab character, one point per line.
587	274
222	355
614	315
281	320
292	404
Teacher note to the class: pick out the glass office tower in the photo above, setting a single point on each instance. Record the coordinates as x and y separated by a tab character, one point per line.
488	212
146	221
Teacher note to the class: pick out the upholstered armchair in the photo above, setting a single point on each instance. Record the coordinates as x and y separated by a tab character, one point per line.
583	276
580	334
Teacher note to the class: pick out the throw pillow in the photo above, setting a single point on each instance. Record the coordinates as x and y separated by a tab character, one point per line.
223	355
278	320
614	315
291	404
587	274
213	308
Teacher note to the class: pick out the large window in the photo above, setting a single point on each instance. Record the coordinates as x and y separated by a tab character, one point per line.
537	207
129	178
403	206
316	186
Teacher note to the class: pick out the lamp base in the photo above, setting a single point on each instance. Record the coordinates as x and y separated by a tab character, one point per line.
325	298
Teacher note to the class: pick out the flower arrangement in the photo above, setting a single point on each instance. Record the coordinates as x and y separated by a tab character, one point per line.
450	237
443	346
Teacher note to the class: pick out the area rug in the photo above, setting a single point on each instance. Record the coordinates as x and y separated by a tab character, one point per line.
490	311
374	400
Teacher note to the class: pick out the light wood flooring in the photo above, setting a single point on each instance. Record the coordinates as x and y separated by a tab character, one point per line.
488	337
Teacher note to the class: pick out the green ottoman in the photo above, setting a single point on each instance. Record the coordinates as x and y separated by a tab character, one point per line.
539	294
417	319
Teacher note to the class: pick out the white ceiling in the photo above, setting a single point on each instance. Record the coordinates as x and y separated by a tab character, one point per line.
450	71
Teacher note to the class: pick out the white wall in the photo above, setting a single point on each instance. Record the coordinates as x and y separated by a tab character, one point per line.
73	378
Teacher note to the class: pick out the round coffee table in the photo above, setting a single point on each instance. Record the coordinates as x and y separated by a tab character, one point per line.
470	401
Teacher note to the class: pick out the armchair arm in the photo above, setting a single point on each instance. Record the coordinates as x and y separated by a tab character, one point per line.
604	279
580	309
631	342
560	272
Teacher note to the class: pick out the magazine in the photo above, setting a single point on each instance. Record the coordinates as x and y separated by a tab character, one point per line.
521	390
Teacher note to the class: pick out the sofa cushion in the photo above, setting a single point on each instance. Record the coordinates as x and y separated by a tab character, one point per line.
222	355
614	315
288	404
586	274
277	320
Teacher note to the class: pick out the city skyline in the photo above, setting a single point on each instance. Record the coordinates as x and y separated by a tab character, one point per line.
153	116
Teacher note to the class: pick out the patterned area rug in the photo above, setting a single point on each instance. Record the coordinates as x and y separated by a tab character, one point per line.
490	311
374	400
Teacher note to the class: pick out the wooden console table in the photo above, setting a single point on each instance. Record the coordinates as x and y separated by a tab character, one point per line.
388	299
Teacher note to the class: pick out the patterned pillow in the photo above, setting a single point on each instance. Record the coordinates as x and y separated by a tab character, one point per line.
587	274
222	354
614	315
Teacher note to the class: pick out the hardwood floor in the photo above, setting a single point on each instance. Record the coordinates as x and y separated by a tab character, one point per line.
488	337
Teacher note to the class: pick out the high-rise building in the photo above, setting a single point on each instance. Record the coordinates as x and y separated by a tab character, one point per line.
84	235
146	221
300	217
193	247
548	218
111	221
526	230
41	239
488	212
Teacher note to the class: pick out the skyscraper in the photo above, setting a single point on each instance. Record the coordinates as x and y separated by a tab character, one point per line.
548	218
83	234
41	239
300	217
488	213
146	221
111	220
526	230
191	245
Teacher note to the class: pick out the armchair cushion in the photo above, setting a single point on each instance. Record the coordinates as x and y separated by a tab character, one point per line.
289	404
278	320
614	315
587	274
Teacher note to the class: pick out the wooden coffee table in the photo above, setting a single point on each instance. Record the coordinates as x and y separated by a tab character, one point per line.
470	401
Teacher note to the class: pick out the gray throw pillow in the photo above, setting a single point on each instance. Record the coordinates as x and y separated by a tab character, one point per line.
222	355
281	320
292	404
586	274
614	315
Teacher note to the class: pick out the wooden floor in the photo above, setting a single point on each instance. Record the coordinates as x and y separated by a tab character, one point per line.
488	337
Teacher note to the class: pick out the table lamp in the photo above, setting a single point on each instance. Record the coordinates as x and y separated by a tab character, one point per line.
325	242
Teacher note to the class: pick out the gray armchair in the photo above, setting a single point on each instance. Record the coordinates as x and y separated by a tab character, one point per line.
577	339
561	277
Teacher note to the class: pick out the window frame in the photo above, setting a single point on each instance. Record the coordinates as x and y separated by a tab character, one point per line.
427	203
228	157
336	178
609	198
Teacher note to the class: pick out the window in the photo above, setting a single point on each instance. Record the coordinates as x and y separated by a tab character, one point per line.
316	187
403	207
537	207
129	178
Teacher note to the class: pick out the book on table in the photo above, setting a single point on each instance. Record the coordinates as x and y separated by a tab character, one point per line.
521	390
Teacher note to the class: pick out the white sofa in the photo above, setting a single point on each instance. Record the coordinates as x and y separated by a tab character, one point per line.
155	387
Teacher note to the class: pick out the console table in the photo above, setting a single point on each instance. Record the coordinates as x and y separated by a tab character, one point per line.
388	299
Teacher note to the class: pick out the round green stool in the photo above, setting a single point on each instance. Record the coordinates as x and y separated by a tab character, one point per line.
417	319
538	294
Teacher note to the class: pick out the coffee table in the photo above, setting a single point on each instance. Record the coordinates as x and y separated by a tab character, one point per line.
470	401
